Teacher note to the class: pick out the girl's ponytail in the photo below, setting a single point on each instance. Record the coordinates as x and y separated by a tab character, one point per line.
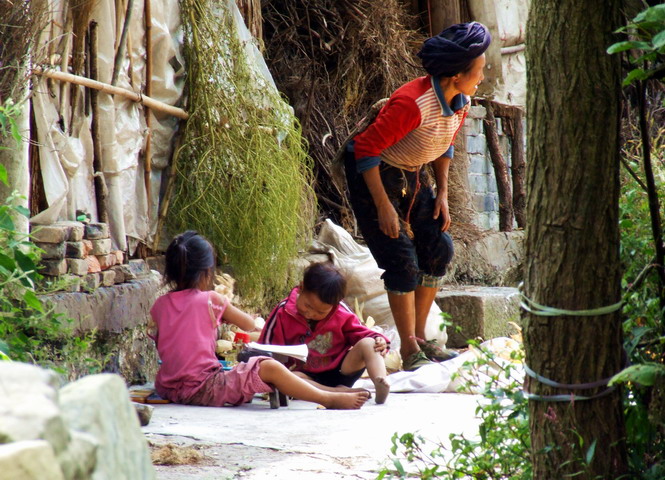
188	258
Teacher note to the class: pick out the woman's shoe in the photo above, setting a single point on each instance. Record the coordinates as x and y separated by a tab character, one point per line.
434	352
415	361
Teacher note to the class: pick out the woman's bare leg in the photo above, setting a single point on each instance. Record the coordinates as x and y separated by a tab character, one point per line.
424	297
274	373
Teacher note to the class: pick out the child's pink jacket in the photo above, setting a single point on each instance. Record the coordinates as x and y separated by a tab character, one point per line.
328	340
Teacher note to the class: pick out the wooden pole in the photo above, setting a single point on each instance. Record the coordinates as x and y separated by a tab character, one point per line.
148	91
120	53
500	170
101	192
112	90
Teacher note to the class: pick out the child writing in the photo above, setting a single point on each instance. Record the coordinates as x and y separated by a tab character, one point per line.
340	347
186	320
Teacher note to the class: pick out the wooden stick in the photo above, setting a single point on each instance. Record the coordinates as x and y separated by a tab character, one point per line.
112	90
500	169
101	192
120	53
148	91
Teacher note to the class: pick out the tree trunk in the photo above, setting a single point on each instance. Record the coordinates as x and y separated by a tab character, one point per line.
572	238
518	166
444	13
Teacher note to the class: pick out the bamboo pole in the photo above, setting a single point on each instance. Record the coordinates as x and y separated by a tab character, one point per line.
112	90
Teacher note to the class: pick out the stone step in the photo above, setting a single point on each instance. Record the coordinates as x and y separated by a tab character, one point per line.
480	312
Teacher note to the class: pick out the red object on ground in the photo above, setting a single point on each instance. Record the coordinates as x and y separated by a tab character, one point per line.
241	337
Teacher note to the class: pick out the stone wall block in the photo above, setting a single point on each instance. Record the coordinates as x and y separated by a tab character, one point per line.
99	405
101	246
107	278
75	250
74	230
91	282
139	267
119	273
49	233
107	261
481	312
77	266
52	251
53	268
96	231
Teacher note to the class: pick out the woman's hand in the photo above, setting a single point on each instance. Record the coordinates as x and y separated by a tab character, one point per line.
441	208
380	346
388	219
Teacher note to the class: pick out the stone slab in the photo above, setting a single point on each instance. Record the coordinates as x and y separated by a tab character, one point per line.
52	251
75	250
480	312
48	233
53	268
111	309
101	246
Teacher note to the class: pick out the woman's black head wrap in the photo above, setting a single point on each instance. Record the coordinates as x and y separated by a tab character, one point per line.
451	51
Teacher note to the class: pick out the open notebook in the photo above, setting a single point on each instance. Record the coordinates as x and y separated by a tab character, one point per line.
298	352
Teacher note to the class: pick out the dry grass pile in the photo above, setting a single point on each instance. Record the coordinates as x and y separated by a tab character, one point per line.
170	454
21	23
333	59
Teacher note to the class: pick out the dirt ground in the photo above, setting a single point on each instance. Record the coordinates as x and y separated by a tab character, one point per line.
301	441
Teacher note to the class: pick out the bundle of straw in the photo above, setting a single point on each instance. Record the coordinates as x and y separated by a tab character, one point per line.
242	173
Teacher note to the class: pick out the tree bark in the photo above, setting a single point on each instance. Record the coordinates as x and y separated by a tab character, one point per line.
572	238
444	13
518	166
500	169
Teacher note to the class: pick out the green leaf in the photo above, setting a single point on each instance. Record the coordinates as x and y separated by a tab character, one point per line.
399	467
22	210
658	40
591	452
3	175
7	262
652	14
32	301
633	75
628	45
6	222
645	374
27	265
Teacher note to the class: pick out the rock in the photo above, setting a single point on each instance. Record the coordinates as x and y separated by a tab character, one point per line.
107	261
483	312
49	233
29	460
74	230
138	267
75	250
108	278
494	259
96	231
157	263
101	246
91	282
52	251
93	264
77	266
99	405
144	412
53	268
119	274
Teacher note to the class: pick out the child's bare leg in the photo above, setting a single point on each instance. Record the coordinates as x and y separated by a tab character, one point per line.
363	355
274	373
338	388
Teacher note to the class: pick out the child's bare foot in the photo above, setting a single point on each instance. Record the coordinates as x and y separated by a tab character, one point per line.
346	400
382	389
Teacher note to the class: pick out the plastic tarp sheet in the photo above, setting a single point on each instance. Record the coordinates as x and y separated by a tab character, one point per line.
461	374
66	158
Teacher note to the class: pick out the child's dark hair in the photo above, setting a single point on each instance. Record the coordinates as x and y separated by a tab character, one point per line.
326	281
188	258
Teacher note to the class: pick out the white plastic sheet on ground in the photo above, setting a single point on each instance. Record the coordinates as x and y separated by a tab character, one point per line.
364	283
441	377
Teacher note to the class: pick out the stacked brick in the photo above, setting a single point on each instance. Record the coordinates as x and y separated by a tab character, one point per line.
84	252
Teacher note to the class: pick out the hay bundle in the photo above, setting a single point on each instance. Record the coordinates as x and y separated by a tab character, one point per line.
333	59
21	23
242	173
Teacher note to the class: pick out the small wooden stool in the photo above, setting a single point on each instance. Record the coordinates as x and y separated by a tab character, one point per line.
278	399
